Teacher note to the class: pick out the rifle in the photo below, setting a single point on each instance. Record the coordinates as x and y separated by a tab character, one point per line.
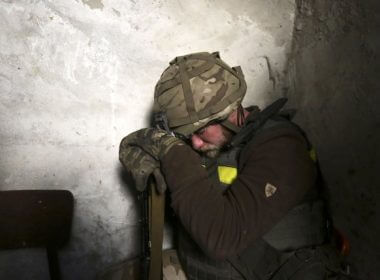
152	221
145	241
148	266
152	228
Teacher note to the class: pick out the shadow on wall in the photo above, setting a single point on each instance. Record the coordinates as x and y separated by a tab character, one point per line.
128	185
333	80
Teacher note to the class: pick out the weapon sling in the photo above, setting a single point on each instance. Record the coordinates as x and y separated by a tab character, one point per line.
156	231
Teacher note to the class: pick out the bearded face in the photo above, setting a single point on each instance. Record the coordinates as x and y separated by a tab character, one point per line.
211	139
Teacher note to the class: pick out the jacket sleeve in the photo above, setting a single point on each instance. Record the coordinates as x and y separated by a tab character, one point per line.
225	224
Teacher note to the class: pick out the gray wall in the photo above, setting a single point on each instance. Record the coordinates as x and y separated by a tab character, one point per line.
334	79
77	76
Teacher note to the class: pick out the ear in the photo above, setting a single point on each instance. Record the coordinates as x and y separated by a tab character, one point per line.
233	117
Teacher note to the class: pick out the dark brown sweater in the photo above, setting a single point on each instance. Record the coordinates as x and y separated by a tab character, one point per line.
225	224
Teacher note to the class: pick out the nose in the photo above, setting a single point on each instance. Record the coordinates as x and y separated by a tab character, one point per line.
196	141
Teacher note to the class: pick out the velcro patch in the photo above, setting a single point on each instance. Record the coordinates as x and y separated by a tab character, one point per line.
270	190
227	174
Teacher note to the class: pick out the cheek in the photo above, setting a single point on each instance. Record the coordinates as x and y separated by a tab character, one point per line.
214	134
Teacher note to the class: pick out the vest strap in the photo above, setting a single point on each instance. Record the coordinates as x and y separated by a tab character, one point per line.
256	120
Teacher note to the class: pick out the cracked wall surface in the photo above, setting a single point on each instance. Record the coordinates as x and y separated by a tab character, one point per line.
77	76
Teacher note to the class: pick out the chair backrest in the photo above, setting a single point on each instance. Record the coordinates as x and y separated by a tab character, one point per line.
36	218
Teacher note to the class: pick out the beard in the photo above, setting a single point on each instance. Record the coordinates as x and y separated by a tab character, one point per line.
213	150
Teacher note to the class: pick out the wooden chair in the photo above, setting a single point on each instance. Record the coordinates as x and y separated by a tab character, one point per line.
36	218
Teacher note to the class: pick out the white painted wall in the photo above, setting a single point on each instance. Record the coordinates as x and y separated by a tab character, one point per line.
77	76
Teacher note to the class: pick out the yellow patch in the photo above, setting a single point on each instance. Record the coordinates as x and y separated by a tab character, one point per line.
227	174
313	154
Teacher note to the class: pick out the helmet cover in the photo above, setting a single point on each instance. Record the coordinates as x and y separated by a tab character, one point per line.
196	89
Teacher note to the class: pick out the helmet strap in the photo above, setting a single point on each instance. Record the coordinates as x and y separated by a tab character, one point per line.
240	120
230	126
240	116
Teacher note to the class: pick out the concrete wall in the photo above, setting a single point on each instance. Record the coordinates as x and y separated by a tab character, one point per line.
334	82
77	76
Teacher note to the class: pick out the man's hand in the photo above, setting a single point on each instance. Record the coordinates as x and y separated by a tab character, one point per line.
141	166
156	142
140	153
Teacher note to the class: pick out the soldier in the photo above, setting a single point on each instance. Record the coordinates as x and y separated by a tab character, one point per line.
243	183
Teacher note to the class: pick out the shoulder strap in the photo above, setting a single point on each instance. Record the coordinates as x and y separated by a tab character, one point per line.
256	120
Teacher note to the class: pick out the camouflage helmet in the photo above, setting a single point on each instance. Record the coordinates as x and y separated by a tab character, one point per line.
196	89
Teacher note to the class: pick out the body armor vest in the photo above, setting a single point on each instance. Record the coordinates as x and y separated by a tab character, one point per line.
304	226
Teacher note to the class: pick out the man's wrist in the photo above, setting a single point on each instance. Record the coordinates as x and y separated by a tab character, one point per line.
169	143
176	153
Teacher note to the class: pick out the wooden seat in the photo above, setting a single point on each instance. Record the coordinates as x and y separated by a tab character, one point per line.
36	218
